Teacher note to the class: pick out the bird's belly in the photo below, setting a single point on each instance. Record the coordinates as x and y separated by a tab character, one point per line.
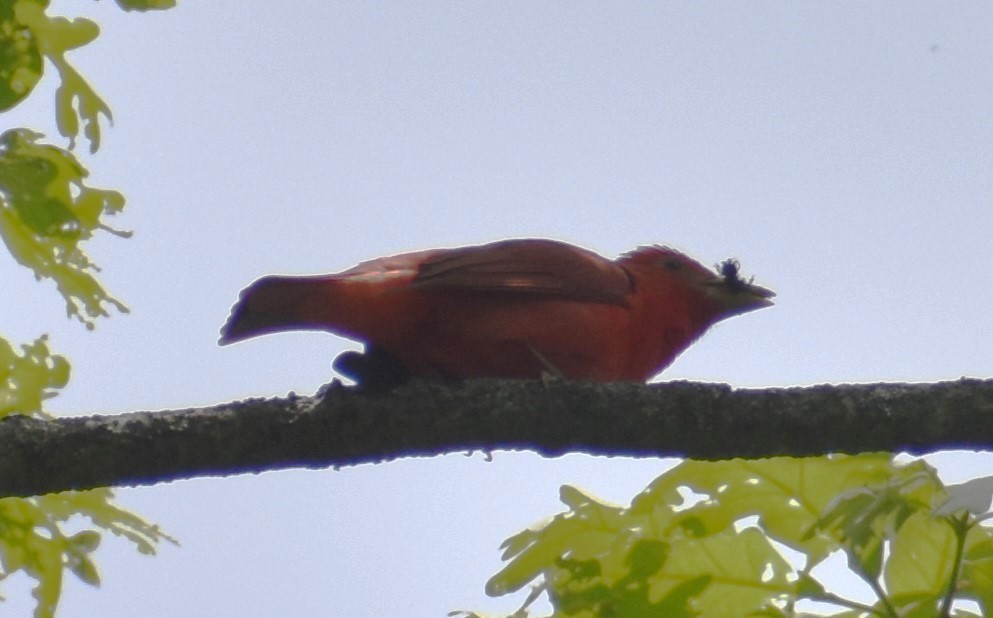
519	339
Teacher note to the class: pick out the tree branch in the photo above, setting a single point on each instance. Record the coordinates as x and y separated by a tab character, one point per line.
342	426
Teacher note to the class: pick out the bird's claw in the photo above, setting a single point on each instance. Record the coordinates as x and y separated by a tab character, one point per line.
372	370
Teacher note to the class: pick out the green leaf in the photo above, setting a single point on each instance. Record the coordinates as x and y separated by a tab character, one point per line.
863	518
47	212
48	574
580	588
678	602
20	59
646	558
584	532
921	556
29	542
713	523
976	582
76	102
915	605
146	5
33	540
83	568
786	494
86	541
24	180
747	572
809	588
29	377
97	505
598	555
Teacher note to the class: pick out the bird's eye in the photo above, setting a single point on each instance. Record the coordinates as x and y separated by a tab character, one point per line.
672	264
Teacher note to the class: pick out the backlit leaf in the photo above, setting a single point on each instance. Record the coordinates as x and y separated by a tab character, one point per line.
47	212
76	103
20	59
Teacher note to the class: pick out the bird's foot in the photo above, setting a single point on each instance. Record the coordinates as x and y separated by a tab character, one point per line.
372	370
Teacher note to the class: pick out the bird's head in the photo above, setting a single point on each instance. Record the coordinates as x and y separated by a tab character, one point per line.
728	292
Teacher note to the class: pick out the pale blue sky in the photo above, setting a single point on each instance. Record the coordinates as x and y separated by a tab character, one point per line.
841	151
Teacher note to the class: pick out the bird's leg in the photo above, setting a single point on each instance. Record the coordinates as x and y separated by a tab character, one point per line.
549	371
374	369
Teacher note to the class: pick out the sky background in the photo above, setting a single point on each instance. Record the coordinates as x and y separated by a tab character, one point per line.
842	151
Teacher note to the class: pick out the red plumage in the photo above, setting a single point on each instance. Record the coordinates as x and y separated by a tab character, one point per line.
509	309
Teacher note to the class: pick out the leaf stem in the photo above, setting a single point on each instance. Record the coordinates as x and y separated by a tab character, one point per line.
890	611
961	527
829	597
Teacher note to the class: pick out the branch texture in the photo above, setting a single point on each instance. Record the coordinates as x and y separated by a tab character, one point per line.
342	426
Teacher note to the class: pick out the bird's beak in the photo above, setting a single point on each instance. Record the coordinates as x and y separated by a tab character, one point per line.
760	296
736	295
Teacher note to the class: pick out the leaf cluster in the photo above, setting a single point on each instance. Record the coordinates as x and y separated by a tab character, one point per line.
33	531
35	541
29	36
46	213
705	539
29	377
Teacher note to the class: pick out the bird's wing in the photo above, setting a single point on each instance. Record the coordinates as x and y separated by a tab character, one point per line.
529	267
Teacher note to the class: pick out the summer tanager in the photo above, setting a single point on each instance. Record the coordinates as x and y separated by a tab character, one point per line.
509	309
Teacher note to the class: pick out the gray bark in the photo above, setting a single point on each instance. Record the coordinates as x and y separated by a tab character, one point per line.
343	426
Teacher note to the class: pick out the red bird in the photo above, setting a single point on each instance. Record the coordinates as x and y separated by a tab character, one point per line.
509	309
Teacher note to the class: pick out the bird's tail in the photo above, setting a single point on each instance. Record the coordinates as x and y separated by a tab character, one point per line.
277	303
